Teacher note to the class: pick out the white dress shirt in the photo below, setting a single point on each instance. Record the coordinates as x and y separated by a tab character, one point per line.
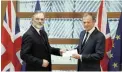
89	33
38	29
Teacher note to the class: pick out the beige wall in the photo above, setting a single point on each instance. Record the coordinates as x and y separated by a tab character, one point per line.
3	7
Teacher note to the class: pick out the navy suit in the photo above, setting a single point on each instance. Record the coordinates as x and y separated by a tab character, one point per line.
35	48
92	52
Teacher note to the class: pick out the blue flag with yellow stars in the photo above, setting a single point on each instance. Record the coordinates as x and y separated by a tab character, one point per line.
115	62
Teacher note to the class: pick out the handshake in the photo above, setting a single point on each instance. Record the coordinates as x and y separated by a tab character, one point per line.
64	53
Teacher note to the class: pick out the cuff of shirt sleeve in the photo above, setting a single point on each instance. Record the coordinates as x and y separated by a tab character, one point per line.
81	58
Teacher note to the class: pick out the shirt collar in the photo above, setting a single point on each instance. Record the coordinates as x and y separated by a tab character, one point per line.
91	30
38	29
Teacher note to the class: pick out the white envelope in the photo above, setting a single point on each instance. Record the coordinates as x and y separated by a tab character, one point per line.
69	53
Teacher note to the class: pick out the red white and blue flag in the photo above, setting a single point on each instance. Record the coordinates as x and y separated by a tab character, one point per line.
10	41
103	26
115	63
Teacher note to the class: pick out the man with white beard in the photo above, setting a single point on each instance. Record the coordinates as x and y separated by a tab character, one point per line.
36	51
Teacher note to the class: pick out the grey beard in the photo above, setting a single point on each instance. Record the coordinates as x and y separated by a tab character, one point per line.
38	26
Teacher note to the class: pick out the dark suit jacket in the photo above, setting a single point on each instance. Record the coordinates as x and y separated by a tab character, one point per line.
35	48
92	52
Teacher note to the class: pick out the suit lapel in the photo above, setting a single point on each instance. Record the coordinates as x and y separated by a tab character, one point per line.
40	38
89	39
81	40
82	36
35	33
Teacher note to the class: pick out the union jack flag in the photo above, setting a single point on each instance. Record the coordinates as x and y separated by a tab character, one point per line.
103	26
10	41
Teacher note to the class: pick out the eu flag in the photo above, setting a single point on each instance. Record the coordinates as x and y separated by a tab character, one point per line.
116	52
37	7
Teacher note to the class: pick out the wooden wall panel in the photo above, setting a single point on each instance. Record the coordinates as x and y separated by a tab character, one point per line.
64	67
63	41
65	14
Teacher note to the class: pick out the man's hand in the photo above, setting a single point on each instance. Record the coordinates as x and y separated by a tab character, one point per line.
45	63
76	56
62	51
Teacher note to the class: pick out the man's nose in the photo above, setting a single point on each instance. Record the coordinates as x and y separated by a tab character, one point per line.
40	20
85	24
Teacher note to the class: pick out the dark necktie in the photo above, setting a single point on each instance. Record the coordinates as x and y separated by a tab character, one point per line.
85	39
42	34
